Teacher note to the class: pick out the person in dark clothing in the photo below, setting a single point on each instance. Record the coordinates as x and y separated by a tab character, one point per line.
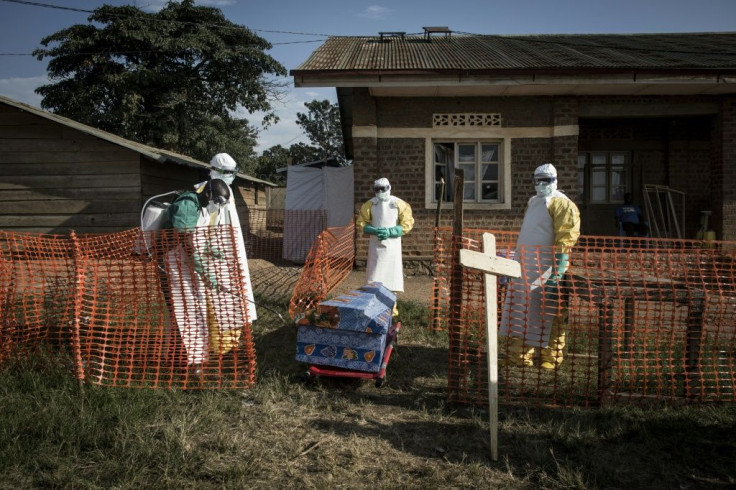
629	219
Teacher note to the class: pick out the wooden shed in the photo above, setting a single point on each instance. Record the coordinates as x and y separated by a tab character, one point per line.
58	175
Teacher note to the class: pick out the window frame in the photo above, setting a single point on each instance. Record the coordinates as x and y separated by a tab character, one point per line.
503	179
608	169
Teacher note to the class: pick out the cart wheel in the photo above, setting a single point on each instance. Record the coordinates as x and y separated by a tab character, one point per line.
308	377
379	382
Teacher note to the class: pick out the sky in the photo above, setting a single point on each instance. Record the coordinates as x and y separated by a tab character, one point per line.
296	28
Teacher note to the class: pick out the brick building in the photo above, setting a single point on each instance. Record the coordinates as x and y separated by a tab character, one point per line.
614	113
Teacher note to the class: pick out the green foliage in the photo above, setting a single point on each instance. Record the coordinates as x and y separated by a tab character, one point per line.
321	124
270	161
171	79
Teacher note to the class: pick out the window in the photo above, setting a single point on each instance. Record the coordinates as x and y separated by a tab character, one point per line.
481	165
603	176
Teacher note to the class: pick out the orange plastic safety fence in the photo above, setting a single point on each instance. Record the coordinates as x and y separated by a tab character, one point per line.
636	320
276	234
329	262
36	284
163	309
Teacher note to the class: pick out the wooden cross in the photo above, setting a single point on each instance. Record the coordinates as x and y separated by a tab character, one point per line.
487	262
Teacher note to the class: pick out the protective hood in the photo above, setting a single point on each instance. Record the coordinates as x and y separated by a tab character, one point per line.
545	170
224	168
545	179
382	188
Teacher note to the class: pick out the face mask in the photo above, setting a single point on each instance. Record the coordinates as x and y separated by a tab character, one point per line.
228	178
545	189
383	196
212	207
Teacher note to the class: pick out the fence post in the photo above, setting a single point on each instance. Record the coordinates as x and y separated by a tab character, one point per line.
694	337
605	357
456	277
78	295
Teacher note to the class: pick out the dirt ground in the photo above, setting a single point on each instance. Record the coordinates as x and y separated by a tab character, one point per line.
416	288
271	279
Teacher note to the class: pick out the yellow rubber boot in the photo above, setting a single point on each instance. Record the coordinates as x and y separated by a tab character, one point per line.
518	354
552	356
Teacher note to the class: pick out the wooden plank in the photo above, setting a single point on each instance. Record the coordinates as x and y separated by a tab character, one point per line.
68	168
23	194
170	170
496	265
605	347
173	181
31	131
489	282
101	156
15	117
492	266
69	206
456	280
56	181
71	221
77	144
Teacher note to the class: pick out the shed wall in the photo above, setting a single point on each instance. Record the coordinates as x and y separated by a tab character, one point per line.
54	178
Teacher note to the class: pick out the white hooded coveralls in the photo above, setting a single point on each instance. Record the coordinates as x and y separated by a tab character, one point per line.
200	311
384	263
551	224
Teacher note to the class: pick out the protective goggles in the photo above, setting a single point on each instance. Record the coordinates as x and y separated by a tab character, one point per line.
380	188
226	172
219	200
544	180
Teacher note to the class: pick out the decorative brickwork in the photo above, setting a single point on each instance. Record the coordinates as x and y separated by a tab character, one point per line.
418	112
466	120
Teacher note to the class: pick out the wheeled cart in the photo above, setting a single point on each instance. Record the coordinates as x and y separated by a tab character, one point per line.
317	370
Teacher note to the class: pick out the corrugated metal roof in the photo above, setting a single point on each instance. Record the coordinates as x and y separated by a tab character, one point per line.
579	52
157	154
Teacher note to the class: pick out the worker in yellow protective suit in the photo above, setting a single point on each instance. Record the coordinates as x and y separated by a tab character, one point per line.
535	310
386	219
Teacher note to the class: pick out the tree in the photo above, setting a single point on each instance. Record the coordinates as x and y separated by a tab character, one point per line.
322	126
171	79
271	160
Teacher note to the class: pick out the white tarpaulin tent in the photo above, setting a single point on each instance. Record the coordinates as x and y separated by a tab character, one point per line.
326	189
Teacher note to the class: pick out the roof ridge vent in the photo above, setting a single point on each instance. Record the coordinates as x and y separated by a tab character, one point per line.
428	31
385	35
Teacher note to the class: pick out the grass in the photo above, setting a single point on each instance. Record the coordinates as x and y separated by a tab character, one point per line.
341	434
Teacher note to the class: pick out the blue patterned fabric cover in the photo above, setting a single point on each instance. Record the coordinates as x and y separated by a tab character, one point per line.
367	309
340	348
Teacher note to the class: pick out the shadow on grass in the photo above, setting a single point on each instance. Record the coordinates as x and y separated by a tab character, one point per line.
409	365
571	448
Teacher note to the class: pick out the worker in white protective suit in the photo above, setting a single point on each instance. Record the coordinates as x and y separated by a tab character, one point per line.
203	293
225	168
535	310
386	219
